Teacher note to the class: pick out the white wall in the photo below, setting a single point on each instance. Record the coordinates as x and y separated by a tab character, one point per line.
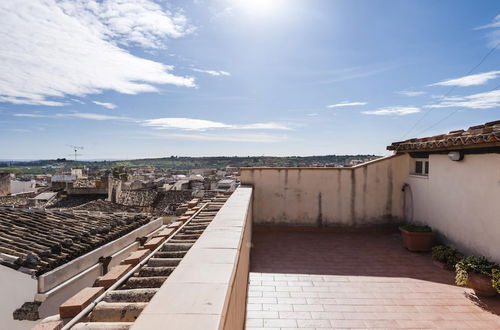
461	200
18	187
16	288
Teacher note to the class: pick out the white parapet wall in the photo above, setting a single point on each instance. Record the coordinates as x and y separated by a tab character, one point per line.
207	290
363	195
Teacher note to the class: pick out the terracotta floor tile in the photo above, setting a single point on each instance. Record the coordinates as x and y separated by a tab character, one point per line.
277	307
313	323
355	280
271	294
295	315
280	323
262	315
308	308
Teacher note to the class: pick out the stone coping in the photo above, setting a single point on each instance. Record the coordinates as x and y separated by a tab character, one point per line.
198	293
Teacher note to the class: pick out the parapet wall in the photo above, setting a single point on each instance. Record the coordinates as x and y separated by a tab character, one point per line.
208	289
363	195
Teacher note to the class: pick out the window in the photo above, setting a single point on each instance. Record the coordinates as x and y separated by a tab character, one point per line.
421	167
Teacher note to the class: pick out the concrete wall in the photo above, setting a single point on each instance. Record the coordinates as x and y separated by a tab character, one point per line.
15	289
327	197
235	312
4	184
461	200
19	187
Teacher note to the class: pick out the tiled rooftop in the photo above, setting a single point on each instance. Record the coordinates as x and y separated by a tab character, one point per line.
137	197
101	205
39	241
73	201
481	135
313	280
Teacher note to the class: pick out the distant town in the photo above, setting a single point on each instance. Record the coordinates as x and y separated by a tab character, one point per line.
156	185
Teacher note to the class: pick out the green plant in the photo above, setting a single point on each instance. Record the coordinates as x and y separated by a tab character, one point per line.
446	254
479	265
496	278
416	228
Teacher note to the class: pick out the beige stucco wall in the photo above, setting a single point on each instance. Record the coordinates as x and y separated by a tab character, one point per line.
327	197
461	200
207	290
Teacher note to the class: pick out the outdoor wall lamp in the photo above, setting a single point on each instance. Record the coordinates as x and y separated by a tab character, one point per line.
456	155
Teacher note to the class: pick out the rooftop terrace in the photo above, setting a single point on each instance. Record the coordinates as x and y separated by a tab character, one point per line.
357	279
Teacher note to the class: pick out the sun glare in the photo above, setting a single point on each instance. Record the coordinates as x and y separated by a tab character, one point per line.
259	7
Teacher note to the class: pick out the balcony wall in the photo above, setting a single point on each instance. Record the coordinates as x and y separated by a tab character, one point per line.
208	289
460	200
328	197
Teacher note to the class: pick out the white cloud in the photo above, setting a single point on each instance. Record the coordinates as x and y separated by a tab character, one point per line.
81	115
494	35
52	49
471	80
184	123
91	116
313	114
205	137
393	111
494	24
411	93
213	72
105	104
30	115
345	104
189	124
486	100
139	22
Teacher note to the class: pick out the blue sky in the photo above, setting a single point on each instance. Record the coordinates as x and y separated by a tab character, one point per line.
138	78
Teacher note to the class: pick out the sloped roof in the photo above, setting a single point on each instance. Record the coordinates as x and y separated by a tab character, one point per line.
41	240
487	135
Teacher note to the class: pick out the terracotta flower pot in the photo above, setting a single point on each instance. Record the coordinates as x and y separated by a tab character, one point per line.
481	284
417	241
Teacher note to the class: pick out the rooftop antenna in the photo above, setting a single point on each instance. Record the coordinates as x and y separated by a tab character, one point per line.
75	149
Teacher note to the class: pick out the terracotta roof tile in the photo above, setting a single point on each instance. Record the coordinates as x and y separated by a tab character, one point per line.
39	241
487	135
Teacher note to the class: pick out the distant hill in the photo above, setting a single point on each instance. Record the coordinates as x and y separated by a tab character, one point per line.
181	163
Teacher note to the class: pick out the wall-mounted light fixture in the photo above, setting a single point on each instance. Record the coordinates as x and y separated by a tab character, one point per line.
456	155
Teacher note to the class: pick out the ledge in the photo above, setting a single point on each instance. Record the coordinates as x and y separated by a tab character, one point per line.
66	271
208	288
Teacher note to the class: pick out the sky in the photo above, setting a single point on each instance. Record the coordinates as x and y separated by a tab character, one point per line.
131	79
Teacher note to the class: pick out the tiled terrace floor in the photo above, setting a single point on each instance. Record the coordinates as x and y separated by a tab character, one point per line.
312	280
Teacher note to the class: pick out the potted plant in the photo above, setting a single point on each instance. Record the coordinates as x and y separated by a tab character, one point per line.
417	238
496	278
445	257
478	274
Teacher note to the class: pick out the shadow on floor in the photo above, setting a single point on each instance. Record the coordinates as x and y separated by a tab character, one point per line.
491	305
342	253
374	254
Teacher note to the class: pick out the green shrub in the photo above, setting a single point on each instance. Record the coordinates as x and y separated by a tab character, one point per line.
446	254
417	228
496	279
479	265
